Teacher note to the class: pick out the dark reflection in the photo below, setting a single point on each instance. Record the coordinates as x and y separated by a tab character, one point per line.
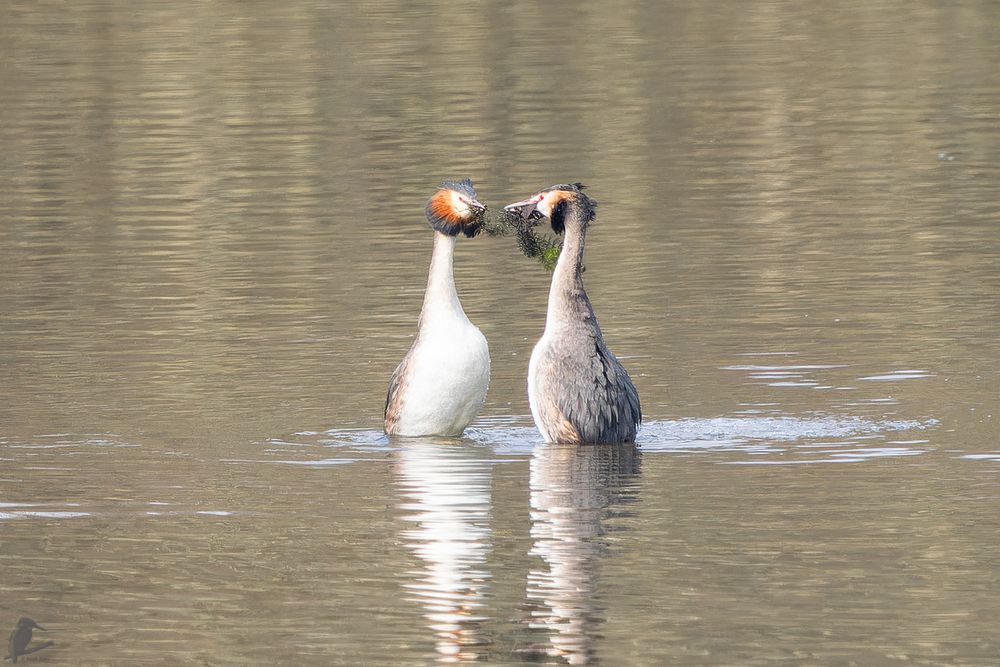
446	497
573	491
20	638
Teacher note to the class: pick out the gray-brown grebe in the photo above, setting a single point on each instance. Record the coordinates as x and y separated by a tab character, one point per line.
578	391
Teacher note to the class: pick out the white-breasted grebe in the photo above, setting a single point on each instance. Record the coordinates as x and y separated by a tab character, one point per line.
441	383
578	391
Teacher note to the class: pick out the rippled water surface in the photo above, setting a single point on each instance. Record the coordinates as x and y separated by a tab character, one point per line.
213	254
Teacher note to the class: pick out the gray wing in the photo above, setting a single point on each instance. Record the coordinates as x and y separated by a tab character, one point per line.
394	396
596	394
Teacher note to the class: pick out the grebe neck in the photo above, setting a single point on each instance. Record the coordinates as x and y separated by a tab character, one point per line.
567	297
441	297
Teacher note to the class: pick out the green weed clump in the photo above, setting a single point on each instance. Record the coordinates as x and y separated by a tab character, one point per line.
540	247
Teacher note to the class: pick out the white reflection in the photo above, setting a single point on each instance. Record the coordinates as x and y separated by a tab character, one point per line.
572	488
447	500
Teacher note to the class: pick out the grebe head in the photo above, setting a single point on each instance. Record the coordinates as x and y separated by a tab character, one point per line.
555	203
454	208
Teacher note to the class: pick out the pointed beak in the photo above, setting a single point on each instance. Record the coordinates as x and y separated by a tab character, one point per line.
526	209
38	626
478	207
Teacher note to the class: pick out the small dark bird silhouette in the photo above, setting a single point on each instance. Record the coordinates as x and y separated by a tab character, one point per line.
21	637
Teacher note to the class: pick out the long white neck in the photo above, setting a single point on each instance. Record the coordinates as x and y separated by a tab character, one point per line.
441	298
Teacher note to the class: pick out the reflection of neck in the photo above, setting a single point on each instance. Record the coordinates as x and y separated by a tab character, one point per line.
453	541
567	295
567	494
570	490
441	298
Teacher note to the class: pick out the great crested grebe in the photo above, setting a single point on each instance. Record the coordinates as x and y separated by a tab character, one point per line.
578	391
441	383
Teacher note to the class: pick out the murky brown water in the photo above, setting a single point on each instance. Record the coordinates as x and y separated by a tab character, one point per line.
212	255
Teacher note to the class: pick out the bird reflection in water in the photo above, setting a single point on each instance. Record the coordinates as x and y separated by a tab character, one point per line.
572	491
446	496
21	637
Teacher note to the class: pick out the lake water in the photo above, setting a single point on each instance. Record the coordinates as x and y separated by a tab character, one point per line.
213	254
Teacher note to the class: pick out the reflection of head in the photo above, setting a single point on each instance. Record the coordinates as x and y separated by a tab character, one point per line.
571	489
446	500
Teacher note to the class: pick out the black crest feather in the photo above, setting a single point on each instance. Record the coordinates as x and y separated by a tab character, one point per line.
463	186
586	206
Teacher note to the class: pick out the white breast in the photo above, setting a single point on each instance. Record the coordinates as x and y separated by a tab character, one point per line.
447	378
447	370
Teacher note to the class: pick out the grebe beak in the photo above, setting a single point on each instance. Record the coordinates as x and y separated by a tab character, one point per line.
527	209
477	207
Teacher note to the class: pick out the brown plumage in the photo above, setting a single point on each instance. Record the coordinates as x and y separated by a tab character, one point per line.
394	397
454	209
